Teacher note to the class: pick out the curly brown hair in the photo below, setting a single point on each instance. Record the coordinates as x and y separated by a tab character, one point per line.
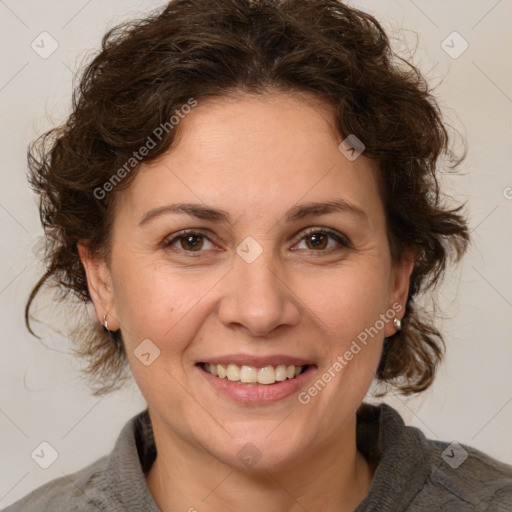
148	68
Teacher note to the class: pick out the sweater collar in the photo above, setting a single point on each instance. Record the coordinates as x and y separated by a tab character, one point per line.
132	456
401	453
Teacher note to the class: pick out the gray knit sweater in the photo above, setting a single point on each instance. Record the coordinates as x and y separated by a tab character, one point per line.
413	474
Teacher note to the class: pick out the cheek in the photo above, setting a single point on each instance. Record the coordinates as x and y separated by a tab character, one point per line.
157	301
347	301
347	309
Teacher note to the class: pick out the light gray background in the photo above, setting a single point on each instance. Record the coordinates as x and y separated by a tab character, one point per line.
42	396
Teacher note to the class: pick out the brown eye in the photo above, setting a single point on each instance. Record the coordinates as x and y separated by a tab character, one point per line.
191	242
188	241
319	240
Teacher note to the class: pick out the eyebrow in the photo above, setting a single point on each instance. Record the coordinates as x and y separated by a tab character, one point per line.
217	215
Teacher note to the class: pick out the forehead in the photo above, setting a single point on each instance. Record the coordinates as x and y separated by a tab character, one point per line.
255	154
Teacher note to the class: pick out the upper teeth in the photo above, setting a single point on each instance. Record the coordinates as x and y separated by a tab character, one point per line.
265	375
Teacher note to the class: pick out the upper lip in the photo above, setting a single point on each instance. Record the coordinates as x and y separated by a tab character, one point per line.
258	361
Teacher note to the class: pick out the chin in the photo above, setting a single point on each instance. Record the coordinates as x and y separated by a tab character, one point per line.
260	453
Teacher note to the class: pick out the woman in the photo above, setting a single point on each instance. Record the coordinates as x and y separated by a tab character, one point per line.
246	192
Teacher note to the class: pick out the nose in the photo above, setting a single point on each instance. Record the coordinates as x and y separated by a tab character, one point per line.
258	298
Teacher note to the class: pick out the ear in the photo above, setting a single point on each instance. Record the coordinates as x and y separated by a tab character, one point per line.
399	288
99	281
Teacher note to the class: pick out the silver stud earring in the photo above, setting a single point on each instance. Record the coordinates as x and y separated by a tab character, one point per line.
397	323
105	323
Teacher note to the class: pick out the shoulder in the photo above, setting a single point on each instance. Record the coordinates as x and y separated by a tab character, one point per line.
466	477
114	483
417	474
83	491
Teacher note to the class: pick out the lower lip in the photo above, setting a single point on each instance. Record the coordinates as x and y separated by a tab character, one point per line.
257	394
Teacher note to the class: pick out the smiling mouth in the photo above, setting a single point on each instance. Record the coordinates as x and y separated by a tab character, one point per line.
246	374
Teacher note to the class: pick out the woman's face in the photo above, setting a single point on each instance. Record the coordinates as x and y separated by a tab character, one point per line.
266	279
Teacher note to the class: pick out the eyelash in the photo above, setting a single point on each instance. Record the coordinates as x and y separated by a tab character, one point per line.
340	239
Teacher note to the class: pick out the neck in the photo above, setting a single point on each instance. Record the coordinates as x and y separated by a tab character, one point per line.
336	477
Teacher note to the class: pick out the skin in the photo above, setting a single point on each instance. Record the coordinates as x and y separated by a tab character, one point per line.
254	156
